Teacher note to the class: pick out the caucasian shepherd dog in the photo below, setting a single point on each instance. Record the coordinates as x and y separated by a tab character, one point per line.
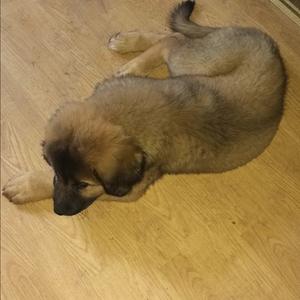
219	109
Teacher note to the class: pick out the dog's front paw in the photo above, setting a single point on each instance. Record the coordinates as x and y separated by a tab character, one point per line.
28	187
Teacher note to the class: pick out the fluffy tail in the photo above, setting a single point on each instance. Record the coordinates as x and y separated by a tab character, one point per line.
180	21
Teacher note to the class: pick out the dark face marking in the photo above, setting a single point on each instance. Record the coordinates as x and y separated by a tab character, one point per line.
67	198
67	188
69	168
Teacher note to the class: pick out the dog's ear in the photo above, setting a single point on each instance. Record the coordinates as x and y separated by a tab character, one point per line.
123	167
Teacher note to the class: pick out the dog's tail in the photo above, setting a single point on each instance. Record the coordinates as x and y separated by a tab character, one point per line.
180	21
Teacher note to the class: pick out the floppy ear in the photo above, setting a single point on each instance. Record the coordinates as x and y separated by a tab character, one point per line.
123	168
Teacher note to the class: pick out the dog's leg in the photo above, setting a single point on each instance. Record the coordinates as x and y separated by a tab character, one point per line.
38	185
29	187
134	41
151	58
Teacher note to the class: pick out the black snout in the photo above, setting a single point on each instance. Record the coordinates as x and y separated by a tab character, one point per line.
66	208
68	201
71	206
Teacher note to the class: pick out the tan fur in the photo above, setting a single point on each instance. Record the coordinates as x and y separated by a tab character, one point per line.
219	109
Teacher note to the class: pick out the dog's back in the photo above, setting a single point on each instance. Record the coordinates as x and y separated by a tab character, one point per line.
244	68
244	64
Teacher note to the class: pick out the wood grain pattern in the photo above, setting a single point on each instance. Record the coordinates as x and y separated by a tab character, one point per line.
227	236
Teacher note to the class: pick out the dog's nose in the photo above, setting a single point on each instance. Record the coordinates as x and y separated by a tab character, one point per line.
58	211
66	210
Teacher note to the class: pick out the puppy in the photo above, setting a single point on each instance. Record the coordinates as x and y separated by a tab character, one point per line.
219	109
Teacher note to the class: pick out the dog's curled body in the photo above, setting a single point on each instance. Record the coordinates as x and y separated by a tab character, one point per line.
196	123
220	108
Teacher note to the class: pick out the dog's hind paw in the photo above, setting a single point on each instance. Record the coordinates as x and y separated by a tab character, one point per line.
125	42
131	68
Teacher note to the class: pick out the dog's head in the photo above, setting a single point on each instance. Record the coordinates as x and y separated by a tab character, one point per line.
89	156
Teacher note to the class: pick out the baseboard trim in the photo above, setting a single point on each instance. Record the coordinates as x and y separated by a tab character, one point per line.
289	9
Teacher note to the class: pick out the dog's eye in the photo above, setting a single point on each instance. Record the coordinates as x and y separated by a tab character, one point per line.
82	185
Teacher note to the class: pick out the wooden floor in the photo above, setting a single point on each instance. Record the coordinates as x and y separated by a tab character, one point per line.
229	236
